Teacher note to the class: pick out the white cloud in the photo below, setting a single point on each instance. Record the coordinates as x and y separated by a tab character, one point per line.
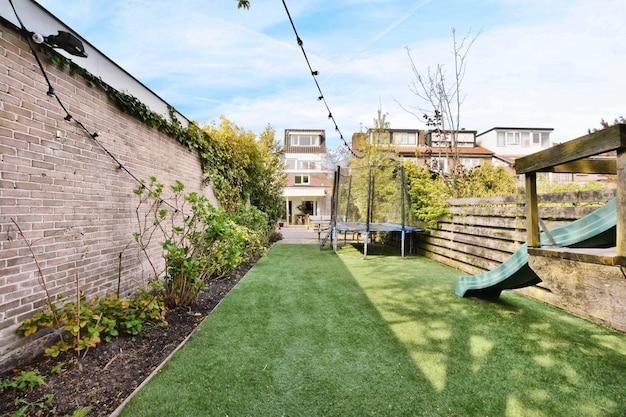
536	62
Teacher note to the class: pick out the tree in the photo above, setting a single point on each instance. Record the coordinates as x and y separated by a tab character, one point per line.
442	98
376	184
605	124
271	178
243	170
243	4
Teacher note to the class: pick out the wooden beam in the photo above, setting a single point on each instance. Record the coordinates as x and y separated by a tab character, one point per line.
596	143
621	202
586	166
532	211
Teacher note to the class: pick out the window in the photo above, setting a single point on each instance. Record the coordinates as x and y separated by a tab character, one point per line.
290	164
512	138
305	140
302	179
501	139
525	139
470	163
377	138
405	138
441	139
307	165
542	139
439	164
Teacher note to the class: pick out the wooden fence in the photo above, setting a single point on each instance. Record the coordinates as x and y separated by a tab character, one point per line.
481	233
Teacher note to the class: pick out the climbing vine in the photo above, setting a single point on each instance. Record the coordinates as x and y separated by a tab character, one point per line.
236	164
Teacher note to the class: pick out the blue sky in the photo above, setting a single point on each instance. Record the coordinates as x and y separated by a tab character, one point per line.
535	63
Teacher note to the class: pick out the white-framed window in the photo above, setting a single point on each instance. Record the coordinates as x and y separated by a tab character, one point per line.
302	179
525	139
441	139
405	138
501	139
290	164
541	139
512	138
305	140
307	165
470	163
378	138
439	164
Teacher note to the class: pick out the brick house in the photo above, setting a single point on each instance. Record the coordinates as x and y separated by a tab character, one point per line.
309	187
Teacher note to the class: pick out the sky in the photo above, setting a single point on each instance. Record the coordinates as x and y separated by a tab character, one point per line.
557	64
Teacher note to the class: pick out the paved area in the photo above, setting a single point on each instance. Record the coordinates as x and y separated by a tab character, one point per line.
299	234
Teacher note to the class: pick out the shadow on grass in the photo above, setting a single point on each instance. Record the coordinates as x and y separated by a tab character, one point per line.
511	356
309	333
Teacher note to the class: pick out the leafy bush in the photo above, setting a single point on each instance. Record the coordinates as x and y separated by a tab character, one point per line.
486	180
428	194
200	241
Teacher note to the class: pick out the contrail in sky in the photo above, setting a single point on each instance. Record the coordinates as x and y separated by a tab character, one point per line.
397	23
419	4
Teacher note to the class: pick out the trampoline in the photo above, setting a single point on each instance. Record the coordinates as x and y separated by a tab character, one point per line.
371	199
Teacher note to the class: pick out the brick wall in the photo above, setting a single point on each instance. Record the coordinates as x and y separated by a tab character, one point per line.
72	201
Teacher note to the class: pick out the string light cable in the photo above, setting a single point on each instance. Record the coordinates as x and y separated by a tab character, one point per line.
68	117
314	74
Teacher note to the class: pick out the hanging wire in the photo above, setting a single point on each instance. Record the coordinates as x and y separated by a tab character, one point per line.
321	96
68	117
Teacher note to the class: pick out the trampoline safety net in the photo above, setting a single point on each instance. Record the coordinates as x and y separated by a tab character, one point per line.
369	198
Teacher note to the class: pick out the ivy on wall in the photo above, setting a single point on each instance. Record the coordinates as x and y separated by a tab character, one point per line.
217	160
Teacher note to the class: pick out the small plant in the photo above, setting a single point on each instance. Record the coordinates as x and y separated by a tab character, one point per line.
23	380
105	317
42	403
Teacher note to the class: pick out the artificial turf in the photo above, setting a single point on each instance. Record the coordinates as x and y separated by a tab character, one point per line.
310	333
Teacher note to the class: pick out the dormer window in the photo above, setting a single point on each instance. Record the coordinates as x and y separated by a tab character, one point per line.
305	140
405	138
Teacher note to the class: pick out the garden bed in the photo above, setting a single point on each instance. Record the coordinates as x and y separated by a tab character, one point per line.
101	380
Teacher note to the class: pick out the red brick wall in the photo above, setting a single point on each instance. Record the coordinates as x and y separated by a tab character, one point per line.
68	196
316	179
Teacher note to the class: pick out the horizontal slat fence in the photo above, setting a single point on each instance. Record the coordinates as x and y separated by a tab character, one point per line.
481	233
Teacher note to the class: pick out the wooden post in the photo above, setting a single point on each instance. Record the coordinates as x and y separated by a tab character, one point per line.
532	211
621	202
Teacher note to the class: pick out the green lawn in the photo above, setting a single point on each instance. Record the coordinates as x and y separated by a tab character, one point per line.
310	333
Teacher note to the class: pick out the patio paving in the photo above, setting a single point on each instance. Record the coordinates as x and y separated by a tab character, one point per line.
294	234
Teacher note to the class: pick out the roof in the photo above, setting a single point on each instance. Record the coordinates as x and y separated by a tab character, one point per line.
476	151
550	129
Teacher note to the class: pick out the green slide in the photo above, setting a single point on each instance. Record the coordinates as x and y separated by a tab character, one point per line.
597	229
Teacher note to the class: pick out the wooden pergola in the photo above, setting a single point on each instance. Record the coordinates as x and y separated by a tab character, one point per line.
576	156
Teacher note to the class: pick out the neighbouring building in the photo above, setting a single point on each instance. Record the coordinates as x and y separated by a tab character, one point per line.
511	143
309	185
430	148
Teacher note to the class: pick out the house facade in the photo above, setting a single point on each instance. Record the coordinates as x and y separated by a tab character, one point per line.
511	143
429	148
309	187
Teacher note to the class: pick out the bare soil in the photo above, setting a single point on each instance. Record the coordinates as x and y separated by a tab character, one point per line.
102	379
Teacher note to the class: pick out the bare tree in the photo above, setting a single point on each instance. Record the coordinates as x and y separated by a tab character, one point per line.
442	96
